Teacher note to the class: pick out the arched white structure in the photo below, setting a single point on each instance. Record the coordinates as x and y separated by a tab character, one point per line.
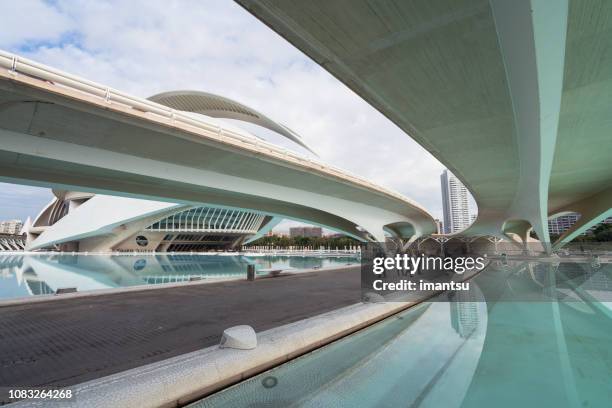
220	107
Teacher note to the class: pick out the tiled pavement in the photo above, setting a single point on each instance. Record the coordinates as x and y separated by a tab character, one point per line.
70	341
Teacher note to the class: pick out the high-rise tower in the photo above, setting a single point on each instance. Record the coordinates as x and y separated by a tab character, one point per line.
454	203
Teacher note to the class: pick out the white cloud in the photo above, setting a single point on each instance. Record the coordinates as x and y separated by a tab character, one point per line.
31	21
146	47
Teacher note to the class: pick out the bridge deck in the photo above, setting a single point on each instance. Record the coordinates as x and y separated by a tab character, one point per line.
70	341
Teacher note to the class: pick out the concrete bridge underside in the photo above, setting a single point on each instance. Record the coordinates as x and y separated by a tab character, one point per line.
56	136
513	96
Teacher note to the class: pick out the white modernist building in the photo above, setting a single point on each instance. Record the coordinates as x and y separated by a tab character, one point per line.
454	203
86	222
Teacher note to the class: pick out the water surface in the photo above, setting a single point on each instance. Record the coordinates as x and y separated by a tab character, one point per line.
38	274
533	334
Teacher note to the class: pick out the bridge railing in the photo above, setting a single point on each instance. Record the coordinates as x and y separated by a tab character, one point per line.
16	64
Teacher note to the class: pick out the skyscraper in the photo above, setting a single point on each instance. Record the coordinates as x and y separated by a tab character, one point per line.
454	203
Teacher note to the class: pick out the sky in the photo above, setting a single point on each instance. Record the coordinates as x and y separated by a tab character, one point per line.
144	47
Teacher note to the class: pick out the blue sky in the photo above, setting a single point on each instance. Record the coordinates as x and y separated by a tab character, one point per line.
21	202
145	47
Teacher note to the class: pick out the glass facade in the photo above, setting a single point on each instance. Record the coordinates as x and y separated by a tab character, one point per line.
209	219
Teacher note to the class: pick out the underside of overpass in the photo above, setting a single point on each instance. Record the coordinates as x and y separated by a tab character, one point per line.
514	97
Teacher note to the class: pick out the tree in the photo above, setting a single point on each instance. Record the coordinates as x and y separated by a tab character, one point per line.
313	242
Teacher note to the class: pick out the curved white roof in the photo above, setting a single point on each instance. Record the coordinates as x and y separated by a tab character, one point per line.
98	216
221	107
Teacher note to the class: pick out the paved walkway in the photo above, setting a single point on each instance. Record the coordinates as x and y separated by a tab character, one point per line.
67	342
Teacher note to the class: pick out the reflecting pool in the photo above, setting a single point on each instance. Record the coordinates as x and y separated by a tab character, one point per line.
28	274
530	334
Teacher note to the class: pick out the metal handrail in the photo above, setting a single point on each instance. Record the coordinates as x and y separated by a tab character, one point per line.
16	64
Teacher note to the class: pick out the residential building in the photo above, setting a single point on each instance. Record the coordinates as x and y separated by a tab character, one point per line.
11	227
303	231
562	223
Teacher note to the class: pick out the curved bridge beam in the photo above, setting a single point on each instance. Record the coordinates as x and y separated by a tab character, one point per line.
56	136
531	36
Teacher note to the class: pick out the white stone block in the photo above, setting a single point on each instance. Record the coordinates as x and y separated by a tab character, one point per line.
239	337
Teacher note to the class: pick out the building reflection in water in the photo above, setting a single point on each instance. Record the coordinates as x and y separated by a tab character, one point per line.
26	275
464	311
